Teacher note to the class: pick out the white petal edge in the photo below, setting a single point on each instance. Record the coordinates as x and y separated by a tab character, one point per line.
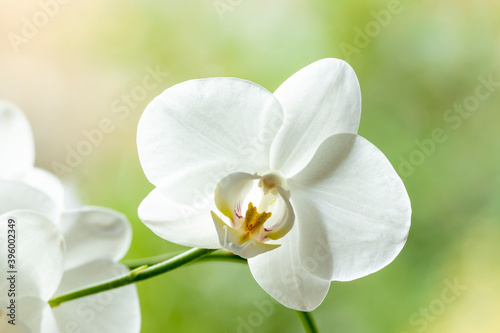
286	216
353	191
198	131
5	317
5	326
34	316
47	183
17	149
320	100
16	195
280	273
39	249
113	311
93	233
177	223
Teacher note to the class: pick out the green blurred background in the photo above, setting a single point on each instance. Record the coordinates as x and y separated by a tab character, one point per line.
415	60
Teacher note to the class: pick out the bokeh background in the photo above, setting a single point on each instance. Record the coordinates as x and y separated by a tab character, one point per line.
418	62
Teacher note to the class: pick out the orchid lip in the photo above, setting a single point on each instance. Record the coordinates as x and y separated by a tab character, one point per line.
269	215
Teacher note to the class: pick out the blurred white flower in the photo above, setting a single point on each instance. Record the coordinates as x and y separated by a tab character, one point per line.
289	183
95	240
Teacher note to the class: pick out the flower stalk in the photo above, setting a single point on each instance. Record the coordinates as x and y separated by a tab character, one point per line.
141	273
308	322
150	261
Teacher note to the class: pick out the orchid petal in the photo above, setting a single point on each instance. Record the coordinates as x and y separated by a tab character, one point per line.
16	195
35	316
113	311
5	326
93	233
351	193
198	131
39	253
320	100
281	274
17	149
178	223
47	183
284	212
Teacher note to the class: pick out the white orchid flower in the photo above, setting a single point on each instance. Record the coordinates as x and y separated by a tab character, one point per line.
95	239
283	177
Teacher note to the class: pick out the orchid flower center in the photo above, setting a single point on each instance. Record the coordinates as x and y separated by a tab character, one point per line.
269	215
254	221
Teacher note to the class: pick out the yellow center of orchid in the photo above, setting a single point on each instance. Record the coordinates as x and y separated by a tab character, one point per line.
254	222
255	231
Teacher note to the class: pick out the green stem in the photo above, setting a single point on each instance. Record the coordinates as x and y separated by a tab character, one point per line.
221	256
308	322
135	275
224	257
